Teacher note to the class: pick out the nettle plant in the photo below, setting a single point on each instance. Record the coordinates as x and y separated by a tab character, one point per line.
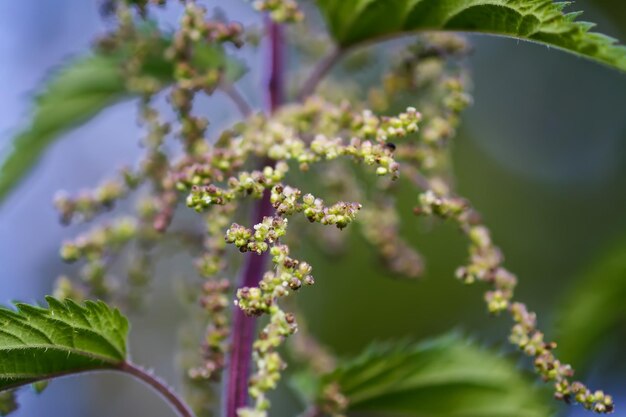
252	185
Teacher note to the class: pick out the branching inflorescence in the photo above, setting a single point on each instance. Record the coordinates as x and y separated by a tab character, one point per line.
253	161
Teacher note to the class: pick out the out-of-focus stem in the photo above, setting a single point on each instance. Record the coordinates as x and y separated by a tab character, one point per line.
319	72
240	102
276	80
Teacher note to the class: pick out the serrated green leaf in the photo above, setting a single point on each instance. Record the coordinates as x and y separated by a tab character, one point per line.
79	91
444	377
39	343
8	404
356	21
593	307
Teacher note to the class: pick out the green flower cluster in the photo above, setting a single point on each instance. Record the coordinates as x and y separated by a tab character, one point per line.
212	261
94	243
286	201
288	275
525	335
317	136
269	363
215	301
245	184
380	224
191	32
89	203
267	232
281	11
485	265
94	246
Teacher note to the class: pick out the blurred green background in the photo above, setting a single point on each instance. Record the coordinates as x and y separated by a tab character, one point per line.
542	154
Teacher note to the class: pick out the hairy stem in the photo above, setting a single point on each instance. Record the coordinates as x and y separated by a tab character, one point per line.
319	72
244	326
170	396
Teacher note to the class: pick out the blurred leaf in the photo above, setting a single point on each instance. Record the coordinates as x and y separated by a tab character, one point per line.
542	21
614	10
82	89
73	96
65	338
8	404
593	307
305	385
447	376
40	386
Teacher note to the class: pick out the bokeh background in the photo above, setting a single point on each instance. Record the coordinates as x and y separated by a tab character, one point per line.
542	154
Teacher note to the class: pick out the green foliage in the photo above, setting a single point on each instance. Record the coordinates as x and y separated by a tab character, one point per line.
542	21
74	95
447	376
65	338
79	91
40	386
593	307
613	10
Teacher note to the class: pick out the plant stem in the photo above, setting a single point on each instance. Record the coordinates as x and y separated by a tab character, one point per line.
276	81
170	396
240	102
243	326
416	177
318	73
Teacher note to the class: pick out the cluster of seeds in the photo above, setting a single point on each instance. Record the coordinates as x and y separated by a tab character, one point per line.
486	266
215	301
193	30
141	46
288	275
94	246
281	11
212	262
245	184
258	240
89	203
381	227
287	201
310	135
419	67
269	363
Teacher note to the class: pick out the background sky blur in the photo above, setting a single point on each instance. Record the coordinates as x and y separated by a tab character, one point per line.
542	155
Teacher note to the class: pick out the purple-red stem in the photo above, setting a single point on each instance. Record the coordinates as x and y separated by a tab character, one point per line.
244	327
276	80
